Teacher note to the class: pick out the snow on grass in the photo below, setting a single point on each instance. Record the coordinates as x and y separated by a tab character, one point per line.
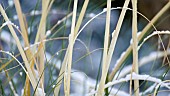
153	34
145	60
134	77
9	23
35	12
48	33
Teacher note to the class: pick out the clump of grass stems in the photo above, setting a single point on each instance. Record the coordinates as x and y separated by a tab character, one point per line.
34	55
73	36
144	31
30	76
109	52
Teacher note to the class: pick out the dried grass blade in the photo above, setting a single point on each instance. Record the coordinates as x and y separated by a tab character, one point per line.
135	46
105	51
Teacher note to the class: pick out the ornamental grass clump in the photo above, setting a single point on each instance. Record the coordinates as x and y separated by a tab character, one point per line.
44	70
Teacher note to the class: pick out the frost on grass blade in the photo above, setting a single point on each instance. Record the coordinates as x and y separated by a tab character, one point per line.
59	21
35	12
104	9
53	86
10	23
26	48
48	33
113	33
139	33
31	46
131	40
153	34
121	56
6	23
